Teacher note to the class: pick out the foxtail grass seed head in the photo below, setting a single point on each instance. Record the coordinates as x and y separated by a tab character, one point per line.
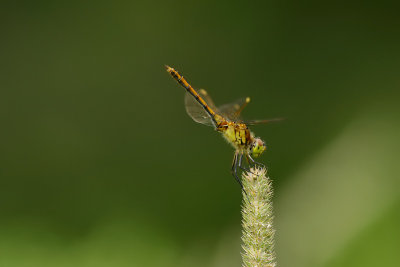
257	212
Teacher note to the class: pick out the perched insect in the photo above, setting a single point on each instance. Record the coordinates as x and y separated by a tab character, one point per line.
225	120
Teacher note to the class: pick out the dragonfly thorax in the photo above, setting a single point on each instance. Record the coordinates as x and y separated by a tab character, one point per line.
237	134
241	138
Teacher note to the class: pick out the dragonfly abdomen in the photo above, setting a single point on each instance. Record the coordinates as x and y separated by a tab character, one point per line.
182	81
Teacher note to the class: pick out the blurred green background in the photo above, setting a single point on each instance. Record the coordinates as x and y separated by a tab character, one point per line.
100	165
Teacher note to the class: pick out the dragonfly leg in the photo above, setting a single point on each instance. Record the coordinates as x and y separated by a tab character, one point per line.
242	167
238	161
234	162
255	163
234	170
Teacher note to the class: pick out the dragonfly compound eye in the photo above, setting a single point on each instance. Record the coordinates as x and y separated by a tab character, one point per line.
258	147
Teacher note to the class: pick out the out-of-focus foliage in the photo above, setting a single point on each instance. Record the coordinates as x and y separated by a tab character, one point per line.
100	165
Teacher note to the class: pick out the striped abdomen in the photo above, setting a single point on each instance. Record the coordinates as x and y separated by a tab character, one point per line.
179	78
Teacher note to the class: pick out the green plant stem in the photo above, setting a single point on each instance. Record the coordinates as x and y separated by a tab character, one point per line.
258	232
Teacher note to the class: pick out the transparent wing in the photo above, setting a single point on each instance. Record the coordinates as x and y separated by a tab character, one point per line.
256	122
232	110
196	111
203	93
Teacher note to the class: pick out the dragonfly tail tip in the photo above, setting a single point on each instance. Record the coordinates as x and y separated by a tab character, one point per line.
168	68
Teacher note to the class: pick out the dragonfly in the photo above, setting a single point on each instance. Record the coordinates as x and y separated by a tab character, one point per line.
226	120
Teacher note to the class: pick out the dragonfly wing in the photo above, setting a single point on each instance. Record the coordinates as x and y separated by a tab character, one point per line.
256	122
232	110
196	111
203	93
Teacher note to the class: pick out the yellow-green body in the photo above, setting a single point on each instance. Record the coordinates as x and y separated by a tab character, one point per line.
241	138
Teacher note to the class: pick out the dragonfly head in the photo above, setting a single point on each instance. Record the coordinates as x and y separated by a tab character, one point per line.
257	147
